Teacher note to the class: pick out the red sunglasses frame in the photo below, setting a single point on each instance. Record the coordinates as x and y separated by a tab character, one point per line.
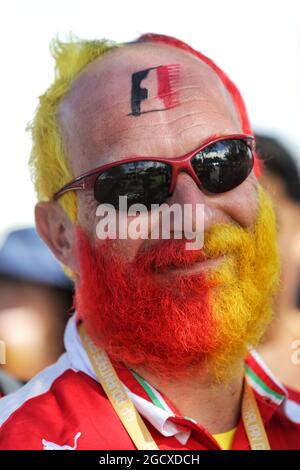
87	180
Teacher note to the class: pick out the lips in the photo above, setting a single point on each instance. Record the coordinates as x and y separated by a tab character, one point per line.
196	267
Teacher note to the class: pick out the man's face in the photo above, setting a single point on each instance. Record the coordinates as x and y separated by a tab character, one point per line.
151	303
99	128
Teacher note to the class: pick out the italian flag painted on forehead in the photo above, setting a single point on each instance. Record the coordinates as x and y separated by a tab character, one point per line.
231	87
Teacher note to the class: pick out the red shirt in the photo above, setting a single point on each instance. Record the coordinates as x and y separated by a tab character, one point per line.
294	394
65	405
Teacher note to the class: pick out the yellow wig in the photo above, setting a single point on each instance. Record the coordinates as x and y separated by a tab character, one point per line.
48	163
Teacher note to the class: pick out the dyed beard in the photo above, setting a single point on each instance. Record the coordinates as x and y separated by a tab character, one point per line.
179	325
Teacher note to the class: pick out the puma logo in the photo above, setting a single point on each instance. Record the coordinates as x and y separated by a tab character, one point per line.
47	445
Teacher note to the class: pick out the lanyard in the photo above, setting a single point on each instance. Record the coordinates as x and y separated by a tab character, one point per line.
131	418
252	420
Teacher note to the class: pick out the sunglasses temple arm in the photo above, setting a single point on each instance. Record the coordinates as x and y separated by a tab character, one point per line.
68	187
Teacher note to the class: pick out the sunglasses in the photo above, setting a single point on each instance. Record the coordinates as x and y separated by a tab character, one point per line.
217	166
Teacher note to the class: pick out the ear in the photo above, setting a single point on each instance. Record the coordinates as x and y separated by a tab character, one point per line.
57	231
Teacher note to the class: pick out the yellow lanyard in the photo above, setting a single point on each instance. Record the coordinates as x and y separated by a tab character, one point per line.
132	420
252	420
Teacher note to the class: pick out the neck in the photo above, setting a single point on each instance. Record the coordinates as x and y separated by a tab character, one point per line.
215	406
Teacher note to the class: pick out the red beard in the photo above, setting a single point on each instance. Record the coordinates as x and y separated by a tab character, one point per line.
141	317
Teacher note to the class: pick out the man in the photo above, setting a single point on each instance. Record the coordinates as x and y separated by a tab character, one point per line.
163	328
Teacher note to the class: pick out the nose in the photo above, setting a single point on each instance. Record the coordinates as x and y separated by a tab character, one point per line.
187	192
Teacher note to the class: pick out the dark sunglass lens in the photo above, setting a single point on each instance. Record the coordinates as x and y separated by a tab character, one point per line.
223	165
143	182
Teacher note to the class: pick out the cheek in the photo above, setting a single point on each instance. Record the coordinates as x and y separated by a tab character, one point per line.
241	204
86	213
128	249
95	225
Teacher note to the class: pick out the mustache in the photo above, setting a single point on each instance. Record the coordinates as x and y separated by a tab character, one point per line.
220	240
167	254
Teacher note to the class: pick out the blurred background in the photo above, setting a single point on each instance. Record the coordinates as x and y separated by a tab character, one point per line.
257	43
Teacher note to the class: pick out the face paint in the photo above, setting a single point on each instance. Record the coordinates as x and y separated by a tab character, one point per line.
162	91
174	325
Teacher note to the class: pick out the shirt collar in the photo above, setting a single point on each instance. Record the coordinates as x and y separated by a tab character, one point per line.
155	407
269	392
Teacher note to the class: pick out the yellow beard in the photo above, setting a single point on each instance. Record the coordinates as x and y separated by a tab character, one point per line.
246	282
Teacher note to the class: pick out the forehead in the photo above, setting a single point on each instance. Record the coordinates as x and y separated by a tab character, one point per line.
151	100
